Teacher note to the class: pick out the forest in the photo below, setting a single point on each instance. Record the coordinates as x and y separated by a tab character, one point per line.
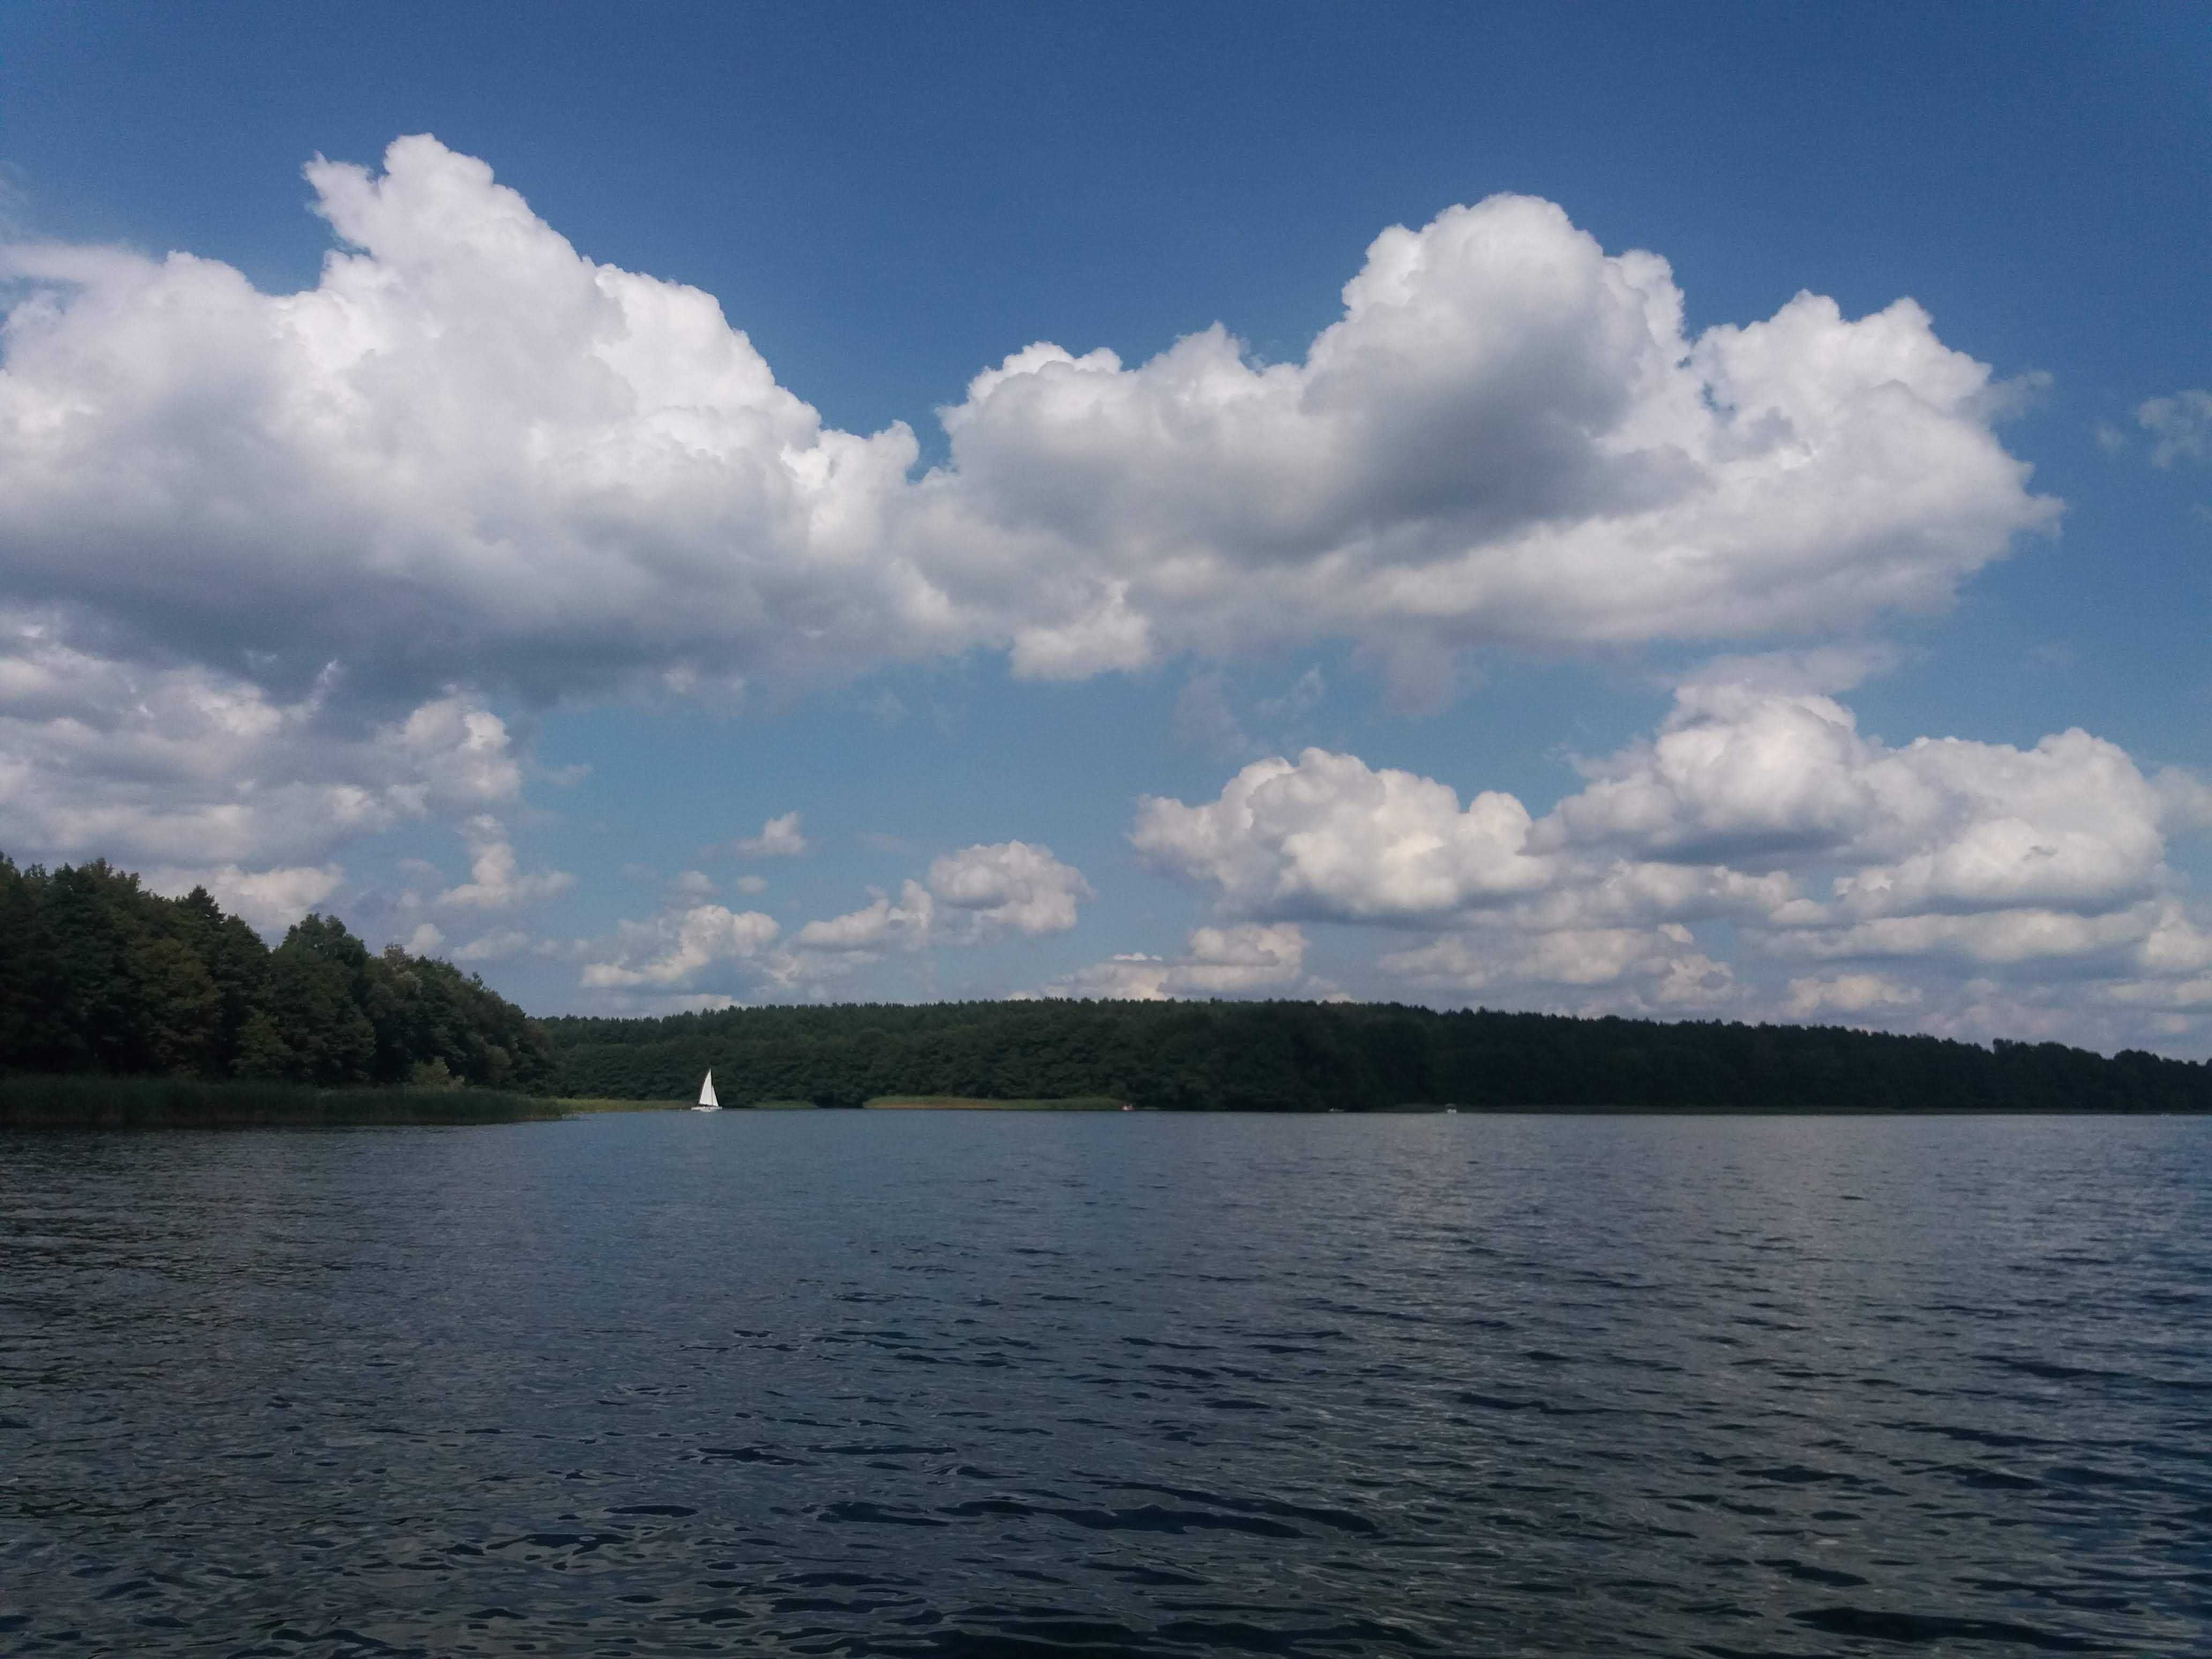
1311	1056
101	978
98	976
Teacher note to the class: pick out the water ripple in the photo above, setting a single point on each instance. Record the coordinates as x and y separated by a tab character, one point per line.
912	1384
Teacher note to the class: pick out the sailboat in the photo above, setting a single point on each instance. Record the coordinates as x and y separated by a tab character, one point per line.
707	1101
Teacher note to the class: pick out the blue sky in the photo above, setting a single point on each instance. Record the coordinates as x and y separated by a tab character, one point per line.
1597	592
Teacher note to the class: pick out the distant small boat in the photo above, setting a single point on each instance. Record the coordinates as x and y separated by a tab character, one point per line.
707	1101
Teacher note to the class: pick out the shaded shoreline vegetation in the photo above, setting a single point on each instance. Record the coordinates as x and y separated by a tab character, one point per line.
119	1006
1309	1056
100	979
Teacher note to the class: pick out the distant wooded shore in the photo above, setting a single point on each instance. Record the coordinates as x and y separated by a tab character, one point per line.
121	1007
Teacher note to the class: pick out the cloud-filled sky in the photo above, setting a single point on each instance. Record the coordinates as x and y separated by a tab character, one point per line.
684	504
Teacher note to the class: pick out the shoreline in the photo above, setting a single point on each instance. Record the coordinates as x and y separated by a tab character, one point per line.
84	1103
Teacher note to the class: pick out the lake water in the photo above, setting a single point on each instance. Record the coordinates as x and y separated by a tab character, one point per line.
1000	1384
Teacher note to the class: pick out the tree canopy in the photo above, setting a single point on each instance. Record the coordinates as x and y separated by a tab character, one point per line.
1308	1056
97	975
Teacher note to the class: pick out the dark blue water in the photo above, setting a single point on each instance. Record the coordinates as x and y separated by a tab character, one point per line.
932	1383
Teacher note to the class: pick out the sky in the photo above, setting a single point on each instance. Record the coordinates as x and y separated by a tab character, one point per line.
1701	512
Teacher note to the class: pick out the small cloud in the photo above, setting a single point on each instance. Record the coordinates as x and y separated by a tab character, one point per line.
1824	671
2181	424
694	886
425	940
884	921
1848	993
1218	962
780	838
1301	698
497	879
1204	722
749	885
973	896
1008	887
496	947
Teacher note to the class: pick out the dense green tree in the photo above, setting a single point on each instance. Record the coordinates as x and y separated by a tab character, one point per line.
1310	1057
263	1053
312	997
179	1005
97	975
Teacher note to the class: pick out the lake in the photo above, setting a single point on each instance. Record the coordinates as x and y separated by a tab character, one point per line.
1062	1384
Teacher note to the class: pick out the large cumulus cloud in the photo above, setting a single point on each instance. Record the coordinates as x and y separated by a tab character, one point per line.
471	452
1329	837
1953	883
467	447
196	776
269	562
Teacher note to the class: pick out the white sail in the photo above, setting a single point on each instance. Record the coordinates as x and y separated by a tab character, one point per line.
707	1101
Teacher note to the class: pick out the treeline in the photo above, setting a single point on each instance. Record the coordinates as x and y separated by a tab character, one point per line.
1304	1057
98	976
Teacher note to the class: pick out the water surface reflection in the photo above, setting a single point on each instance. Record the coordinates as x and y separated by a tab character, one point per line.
932	1384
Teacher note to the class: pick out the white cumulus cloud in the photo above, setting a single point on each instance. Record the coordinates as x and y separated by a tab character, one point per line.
497	879
779	838
1218	962
2181	426
1946	882
270	900
670	948
500	946
470	454
1506	437
1647	971
1848	993
1940	827
169	765
973	896
1008	887
1327	836
906	921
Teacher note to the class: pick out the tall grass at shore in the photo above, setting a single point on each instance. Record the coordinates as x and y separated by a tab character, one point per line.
141	1103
